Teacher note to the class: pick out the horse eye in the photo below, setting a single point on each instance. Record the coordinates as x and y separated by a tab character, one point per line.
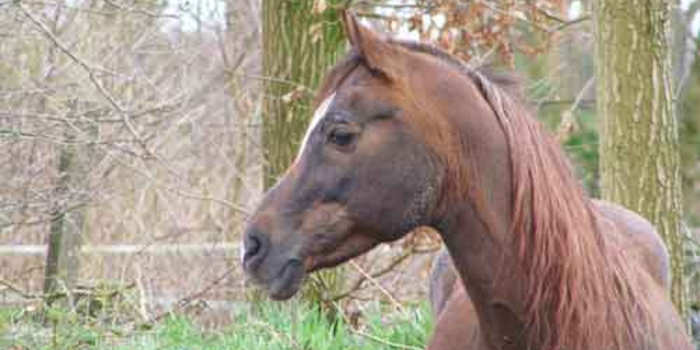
340	137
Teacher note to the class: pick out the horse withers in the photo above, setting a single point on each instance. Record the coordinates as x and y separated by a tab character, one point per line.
404	135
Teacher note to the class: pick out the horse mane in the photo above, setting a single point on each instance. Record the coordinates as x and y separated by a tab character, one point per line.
582	291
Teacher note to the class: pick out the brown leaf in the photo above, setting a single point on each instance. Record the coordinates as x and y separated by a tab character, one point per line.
319	6
316	31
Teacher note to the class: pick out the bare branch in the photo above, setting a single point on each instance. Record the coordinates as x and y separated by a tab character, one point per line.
141	11
568	118
91	74
19	291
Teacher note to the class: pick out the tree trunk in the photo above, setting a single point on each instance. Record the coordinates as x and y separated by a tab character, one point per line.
299	45
63	252
67	221
63	255
639	150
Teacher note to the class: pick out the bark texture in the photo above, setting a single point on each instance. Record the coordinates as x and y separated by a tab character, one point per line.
300	42
639	149
64	238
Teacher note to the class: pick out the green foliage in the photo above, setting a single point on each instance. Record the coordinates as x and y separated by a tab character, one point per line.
322	286
413	329
582	148
689	114
269	325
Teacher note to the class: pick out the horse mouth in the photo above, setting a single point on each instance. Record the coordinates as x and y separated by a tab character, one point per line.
287	283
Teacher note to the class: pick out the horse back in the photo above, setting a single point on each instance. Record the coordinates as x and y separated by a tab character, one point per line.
637	233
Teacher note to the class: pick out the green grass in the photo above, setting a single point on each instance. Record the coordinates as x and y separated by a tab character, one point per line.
269	325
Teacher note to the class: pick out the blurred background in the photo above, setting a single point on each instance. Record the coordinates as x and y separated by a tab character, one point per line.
136	136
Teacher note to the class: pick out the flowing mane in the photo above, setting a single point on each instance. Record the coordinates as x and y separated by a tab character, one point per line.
581	291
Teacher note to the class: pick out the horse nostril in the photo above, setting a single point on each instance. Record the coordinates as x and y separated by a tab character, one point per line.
254	249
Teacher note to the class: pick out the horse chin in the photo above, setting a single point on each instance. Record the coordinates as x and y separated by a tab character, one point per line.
287	282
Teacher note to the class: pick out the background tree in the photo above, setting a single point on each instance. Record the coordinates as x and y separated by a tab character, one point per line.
117	128
62	258
301	40
639	149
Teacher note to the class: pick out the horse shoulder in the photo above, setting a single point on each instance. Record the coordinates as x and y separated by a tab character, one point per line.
442	281
457	325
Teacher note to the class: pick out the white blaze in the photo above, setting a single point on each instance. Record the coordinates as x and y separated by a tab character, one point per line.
318	116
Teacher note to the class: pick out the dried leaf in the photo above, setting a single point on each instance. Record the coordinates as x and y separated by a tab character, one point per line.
316	31
319	6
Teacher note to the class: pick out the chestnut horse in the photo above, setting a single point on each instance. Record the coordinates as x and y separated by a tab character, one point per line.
404	135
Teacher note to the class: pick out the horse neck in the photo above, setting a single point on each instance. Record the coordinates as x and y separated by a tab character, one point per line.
485	260
475	221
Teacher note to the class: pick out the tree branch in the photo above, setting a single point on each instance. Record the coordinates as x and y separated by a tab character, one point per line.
19	291
568	118
91	74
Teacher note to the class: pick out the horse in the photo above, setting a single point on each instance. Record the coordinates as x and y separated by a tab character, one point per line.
405	135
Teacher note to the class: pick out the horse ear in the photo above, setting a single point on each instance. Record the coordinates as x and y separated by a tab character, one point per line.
351	28
368	44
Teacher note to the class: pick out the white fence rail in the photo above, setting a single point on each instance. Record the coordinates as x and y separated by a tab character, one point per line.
155	248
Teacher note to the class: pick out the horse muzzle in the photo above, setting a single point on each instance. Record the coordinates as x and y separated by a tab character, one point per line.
279	275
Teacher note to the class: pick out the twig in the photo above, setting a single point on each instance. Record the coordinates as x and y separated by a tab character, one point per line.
563	23
91	74
375	275
189	298
358	283
42	221
143	308
568	121
570	23
140	11
401	6
303	87
549	14
278	335
372	337
384	341
233	206
378	285
19	291
563	102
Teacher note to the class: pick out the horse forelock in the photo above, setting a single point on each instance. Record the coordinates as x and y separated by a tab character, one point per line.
581	290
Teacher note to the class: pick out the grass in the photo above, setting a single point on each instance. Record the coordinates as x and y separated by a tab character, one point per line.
268	325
